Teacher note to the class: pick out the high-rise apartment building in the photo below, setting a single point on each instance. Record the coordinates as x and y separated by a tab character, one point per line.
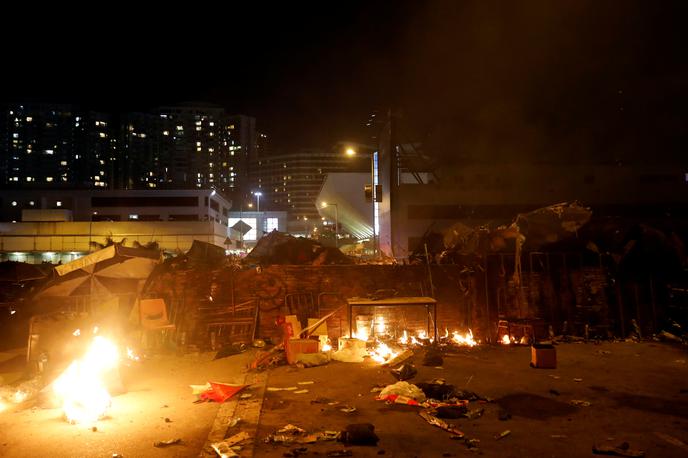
191	145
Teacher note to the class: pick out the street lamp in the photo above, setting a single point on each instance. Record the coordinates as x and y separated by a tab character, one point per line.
336	221
257	194
351	152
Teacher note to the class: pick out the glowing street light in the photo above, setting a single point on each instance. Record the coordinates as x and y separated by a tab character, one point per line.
351	152
336	221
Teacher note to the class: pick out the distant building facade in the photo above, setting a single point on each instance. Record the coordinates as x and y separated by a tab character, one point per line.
191	145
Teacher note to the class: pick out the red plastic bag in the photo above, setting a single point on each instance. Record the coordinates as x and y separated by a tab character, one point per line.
220	392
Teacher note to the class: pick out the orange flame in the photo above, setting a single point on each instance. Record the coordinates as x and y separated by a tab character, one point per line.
382	352
505	340
465	339
81	387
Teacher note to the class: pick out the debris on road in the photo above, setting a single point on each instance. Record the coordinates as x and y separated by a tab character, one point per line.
579	403
398	359
310	382
217	392
301	391
289	388
622	449
359	434
578	380
433	420
167	443
474	413
403	389
503	434
348	409
404	372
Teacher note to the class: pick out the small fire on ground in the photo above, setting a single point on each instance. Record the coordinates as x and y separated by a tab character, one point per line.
82	388
383	348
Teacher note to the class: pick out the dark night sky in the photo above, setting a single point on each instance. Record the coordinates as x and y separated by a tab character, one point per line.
539	80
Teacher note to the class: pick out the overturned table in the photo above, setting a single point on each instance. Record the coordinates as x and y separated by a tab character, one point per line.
427	302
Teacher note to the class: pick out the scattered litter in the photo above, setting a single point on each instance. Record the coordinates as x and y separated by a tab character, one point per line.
245	396
224	450
359	434
343	452
310	382
554	376
404	372
579	403
672	440
438	389
503	434
622	449
289	388
218	392
198	389
377	389
348	409
291	429
167	443
474	413
234	422
451	411
235	439
300	391
311	359
403	389
577	379
433	420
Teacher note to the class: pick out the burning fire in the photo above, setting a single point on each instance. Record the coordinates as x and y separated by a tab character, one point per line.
382	352
465	339
506	340
404	339
380	327
81	387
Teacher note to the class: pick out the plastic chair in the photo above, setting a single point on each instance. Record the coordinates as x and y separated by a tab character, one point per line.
153	316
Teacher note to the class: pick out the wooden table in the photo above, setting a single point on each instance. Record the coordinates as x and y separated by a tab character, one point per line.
427	302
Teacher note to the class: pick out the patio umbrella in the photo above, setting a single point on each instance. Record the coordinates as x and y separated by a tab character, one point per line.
17	272
112	270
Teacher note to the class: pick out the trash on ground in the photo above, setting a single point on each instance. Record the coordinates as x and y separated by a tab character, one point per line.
310	382
433	420
404	372
218	392
348	409
311	359
289	388
359	434
438	389
503	434
451	411
343	452
622	449
245	396
577	379
301	391
167	443
579	403
403	389
543	356
474	413
554	376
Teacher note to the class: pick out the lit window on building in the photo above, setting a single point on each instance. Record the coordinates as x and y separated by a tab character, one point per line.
63	162
32	203
14	203
101	134
58	203
133	217
29	119
180	127
271	224
166	132
49	152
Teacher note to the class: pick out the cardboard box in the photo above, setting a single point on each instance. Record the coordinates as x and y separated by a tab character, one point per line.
543	356
297	346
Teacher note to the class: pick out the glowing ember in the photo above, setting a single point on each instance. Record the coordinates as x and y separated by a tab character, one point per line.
465	339
81	388
404	339
382	353
131	355
505	340
325	344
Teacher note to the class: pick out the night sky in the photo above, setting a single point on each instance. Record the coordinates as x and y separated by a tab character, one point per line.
534	80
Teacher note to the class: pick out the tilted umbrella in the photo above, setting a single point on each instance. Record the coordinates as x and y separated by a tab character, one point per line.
112	270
